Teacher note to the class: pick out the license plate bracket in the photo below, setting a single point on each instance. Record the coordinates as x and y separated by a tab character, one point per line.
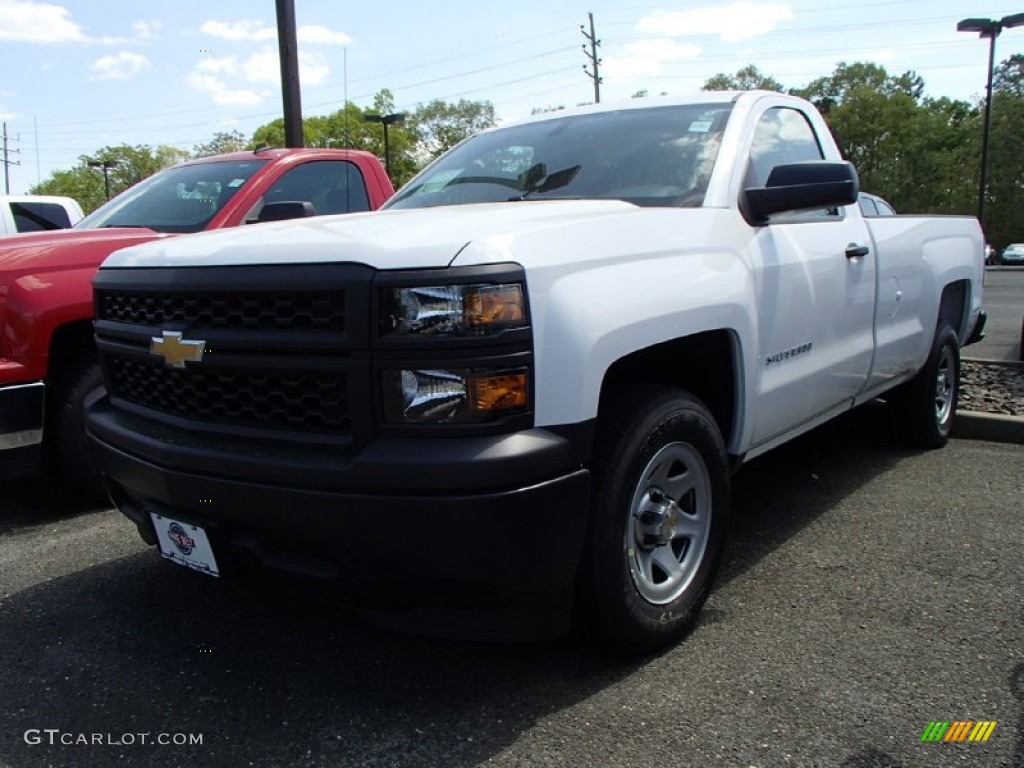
185	544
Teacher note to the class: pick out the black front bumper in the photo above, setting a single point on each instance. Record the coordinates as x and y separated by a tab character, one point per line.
480	535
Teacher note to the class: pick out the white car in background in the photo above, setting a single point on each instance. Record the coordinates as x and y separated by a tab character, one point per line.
1013	254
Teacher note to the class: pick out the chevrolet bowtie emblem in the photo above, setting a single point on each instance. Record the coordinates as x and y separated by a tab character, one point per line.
176	350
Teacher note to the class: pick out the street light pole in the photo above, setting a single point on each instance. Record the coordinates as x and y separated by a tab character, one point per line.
989	28
386	120
105	165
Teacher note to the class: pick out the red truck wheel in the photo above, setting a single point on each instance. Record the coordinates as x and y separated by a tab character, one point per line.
66	442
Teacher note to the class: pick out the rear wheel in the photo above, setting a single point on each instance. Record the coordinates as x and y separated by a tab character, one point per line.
661	502
927	403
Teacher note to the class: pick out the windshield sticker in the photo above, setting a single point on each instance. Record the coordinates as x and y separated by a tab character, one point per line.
236	183
700	126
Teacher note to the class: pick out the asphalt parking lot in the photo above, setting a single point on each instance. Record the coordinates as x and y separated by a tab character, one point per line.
867	591
1003	299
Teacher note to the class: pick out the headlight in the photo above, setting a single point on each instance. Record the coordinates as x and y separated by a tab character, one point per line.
452	310
455	396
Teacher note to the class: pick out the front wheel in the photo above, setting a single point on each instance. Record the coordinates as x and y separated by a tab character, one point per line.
661	503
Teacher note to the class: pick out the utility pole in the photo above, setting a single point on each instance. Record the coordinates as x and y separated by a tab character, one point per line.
8	162
288	50
592	55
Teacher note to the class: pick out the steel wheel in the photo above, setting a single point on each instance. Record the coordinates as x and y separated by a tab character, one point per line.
945	385
660	508
925	405
670	522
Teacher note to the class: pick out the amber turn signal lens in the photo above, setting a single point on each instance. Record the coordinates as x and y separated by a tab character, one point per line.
494	305
499	393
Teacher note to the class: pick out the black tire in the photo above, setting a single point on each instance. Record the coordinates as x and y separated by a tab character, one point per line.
67	447
634	527
926	405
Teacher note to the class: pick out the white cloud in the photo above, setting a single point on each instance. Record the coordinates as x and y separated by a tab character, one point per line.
880	57
239	30
31	22
647	58
249	29
313	68
733	22
147	30
227	65
314	35
119	66
264	67
221	93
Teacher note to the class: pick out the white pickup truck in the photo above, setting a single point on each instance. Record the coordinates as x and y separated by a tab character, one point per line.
34	213
520	391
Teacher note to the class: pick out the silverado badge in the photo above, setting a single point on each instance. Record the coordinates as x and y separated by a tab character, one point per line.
176	350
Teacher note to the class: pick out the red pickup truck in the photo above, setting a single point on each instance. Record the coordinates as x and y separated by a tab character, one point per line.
47	356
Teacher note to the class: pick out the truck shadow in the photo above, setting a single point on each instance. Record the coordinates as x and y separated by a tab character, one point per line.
134	646
778	494
37	499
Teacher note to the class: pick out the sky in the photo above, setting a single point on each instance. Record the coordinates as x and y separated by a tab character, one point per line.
78	75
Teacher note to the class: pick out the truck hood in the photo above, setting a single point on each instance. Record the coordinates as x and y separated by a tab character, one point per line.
392	239
63	249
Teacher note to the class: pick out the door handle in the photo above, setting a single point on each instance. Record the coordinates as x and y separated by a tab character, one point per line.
854	251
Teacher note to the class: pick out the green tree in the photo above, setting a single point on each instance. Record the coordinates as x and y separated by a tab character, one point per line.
1004	210
421	136
439	125
838	88
749	78
221	143
127	165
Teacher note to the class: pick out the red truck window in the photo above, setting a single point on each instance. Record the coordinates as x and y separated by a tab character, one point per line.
332	186
179	199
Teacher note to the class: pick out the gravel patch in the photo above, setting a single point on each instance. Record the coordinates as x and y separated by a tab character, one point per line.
988	388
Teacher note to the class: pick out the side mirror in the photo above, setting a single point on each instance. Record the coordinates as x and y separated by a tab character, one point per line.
286	209
802	187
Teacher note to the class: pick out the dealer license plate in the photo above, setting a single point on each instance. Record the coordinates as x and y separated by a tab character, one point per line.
185	544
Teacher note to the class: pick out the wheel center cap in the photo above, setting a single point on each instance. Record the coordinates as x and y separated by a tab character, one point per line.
657	522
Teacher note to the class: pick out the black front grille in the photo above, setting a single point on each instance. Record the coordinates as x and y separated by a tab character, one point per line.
249	310
285	350
301	401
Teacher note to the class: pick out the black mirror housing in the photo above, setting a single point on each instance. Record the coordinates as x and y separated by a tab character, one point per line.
286	209
802	187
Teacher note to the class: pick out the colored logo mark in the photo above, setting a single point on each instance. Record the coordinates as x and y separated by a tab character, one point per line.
959	730
181	539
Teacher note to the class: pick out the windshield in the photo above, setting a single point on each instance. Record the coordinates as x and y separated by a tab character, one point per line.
179	199
656	156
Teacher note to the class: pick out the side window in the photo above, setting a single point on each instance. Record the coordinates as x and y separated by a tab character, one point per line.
867	206
33	217
332	186
884	209
782	136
